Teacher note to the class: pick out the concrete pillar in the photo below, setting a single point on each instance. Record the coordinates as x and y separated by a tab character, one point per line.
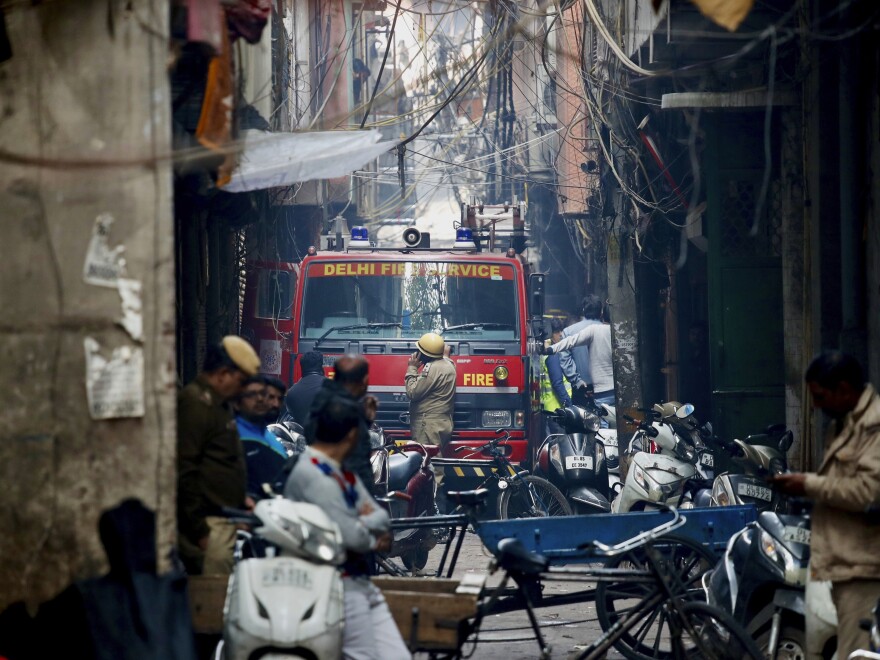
84	134
624	327
794	284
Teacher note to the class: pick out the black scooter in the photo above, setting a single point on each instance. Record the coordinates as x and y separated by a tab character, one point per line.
760	580
752	461
574	461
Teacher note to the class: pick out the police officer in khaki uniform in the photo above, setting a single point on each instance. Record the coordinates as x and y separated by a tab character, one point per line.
211	469
431	391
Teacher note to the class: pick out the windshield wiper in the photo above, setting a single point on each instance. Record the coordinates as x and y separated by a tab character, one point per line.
359	326
474	326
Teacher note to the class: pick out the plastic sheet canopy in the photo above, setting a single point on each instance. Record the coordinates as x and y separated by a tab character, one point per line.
272	160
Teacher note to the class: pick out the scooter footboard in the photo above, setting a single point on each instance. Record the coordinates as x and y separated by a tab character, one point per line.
561	538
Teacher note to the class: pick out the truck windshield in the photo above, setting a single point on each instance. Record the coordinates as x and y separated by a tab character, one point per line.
462	300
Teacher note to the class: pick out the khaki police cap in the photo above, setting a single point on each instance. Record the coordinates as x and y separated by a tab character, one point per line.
242	354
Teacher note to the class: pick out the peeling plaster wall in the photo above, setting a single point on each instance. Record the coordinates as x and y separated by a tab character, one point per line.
87	82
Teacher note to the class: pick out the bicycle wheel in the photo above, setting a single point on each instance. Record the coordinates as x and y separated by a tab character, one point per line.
712	633
531	497
649	639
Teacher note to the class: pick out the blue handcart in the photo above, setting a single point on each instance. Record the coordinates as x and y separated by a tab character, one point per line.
625	572
566	539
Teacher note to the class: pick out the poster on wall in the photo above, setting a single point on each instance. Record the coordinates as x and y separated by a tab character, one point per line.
114	386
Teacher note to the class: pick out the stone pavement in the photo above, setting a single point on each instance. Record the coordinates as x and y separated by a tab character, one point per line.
509	636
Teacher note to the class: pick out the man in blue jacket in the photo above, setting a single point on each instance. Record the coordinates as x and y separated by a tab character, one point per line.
263	452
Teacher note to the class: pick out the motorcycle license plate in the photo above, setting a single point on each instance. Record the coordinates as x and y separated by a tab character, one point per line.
707	460
753	491
578	462
796	534
286	576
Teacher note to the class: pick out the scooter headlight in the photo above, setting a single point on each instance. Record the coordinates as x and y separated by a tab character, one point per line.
769	547
315	542
555	457
321	544
656	491
793	573
719	494
639	476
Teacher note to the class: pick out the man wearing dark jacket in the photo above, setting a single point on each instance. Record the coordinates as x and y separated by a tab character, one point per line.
298	400
351	378
211	470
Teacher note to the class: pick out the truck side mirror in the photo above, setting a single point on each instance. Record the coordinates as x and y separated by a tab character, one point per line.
536	296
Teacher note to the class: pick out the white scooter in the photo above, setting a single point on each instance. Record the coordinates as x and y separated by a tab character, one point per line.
655	479
287	603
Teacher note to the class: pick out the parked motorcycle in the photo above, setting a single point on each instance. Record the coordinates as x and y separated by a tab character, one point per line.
285	597
659	478
575	461
754	459
404	482
760	580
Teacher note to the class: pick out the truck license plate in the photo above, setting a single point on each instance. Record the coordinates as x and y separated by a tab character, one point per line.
707	459
578	462
796	534
756	492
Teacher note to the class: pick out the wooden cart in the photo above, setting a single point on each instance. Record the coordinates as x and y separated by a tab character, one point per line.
433	614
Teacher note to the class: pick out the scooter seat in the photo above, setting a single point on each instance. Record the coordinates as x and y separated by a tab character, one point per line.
513	557
401	467
468	497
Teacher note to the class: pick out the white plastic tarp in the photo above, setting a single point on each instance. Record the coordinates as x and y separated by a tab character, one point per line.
272	160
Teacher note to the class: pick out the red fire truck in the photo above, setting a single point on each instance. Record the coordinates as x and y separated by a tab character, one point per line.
378	302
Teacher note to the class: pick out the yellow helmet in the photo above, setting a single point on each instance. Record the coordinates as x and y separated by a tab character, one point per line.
431	344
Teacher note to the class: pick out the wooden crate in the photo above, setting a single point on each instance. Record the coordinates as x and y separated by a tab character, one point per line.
441	609
207	593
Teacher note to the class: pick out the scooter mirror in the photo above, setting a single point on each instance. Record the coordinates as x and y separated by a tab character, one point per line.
600	410
786	442
685	411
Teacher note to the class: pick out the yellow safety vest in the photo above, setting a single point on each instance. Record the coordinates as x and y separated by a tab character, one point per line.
549	400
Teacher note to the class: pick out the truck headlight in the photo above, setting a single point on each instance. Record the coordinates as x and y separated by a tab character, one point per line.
496	418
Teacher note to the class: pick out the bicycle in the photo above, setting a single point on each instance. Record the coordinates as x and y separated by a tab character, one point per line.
521	495
663	589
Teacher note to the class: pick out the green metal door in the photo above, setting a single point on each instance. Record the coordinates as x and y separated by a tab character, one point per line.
745	280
